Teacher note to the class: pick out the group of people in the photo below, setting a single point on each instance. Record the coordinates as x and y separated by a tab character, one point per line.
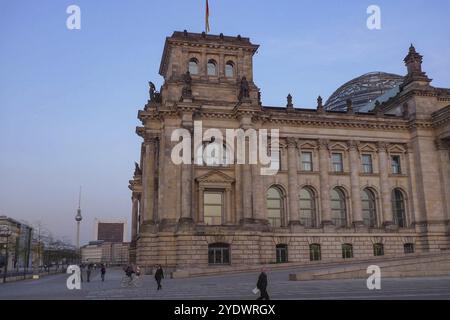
89	267
131	271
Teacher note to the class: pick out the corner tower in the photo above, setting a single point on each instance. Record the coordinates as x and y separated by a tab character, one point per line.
216	64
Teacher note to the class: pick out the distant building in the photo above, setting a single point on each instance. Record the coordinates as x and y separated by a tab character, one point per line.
111	230
105	252
18	244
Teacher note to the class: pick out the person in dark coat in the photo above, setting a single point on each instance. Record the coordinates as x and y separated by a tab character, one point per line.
103	272
88	272
159	275
262	285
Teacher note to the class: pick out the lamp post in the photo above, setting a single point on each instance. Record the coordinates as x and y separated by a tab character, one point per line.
5	232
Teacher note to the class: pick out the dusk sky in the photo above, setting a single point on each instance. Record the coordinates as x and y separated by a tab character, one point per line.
69	98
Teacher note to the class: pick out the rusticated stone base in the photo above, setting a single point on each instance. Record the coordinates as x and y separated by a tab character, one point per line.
190	248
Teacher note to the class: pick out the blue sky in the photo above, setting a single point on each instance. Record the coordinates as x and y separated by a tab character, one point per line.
69	99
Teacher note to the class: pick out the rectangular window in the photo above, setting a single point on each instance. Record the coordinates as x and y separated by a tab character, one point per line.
282	253
396	167
378	249
314	252
347	251
212	208
307	164
337	162
367	163
409	248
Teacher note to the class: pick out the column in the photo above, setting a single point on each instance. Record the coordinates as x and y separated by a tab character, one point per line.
228	208
257	194
355	185
134	216
221	65
148	175
294	214
201	191
384	184
324	168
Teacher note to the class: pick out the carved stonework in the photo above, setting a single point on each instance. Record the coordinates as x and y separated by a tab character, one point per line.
289	104
383	146
324	144
291	142
353	145
441	144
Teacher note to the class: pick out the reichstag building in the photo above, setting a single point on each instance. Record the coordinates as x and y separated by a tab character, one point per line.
364	173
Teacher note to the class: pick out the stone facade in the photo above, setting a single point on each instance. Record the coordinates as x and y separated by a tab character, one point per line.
393	188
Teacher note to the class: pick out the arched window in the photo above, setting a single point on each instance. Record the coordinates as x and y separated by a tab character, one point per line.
398	208
274	206
338	208
307	208
282	253
369	208
193	66
229	69
219	253
212	68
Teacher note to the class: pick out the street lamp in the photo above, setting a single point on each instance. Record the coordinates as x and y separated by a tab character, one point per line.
5	232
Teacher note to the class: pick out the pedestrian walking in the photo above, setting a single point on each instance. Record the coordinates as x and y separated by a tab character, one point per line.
88	272
159	275
102	272
262	285
81	271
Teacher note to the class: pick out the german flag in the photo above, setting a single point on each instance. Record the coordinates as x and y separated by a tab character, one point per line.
207	17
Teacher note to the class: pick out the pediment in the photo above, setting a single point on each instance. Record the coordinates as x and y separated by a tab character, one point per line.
397	149
368	148
338	146
215	176
307	145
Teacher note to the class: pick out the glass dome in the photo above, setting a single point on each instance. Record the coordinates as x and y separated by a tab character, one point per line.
363	90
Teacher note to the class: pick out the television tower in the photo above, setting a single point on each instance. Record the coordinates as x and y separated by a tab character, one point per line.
78	219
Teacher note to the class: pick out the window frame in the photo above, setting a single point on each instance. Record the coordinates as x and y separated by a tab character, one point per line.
230	63
280	208
310	162
205	205
214	248
399	209
347	251
213	63
367	167
339	169
313	211
282	252
409	248
315	252
372	210
378	249
193	60
396	166
343	219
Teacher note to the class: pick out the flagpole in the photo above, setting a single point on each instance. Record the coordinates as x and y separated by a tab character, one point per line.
207	17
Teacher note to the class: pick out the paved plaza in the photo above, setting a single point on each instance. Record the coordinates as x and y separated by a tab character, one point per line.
234	287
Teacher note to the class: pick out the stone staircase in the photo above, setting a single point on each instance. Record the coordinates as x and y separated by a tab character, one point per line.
417	265
307	270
